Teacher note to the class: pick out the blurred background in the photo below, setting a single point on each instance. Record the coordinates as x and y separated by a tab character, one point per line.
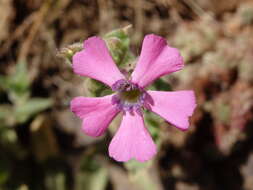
41	145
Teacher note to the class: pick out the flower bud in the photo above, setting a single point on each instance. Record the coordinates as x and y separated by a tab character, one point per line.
68	52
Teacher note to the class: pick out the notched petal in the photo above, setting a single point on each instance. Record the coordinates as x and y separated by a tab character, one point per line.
157	59
96	62
175	107
132	140
96	113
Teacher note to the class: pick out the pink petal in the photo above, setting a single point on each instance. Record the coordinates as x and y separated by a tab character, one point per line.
156	59
97	113
95	62
175	107
132	140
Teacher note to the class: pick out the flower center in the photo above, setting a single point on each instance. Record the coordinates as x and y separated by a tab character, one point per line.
129	97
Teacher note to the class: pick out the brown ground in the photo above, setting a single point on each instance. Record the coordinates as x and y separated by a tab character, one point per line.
44	149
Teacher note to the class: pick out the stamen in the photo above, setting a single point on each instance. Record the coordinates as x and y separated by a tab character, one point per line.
119	85
130	97
115	99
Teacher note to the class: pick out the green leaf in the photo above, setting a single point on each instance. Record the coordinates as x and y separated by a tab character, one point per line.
8	135
92	180
161	85
5	110
92	174
3	82
17	84
133	165
31	107
142	174
56	181
19	81
4	170
96	88
153	122
6	115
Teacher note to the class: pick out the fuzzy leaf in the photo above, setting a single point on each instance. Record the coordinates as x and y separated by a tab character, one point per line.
31	107
118	42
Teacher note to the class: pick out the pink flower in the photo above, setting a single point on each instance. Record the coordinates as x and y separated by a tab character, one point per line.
132	140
